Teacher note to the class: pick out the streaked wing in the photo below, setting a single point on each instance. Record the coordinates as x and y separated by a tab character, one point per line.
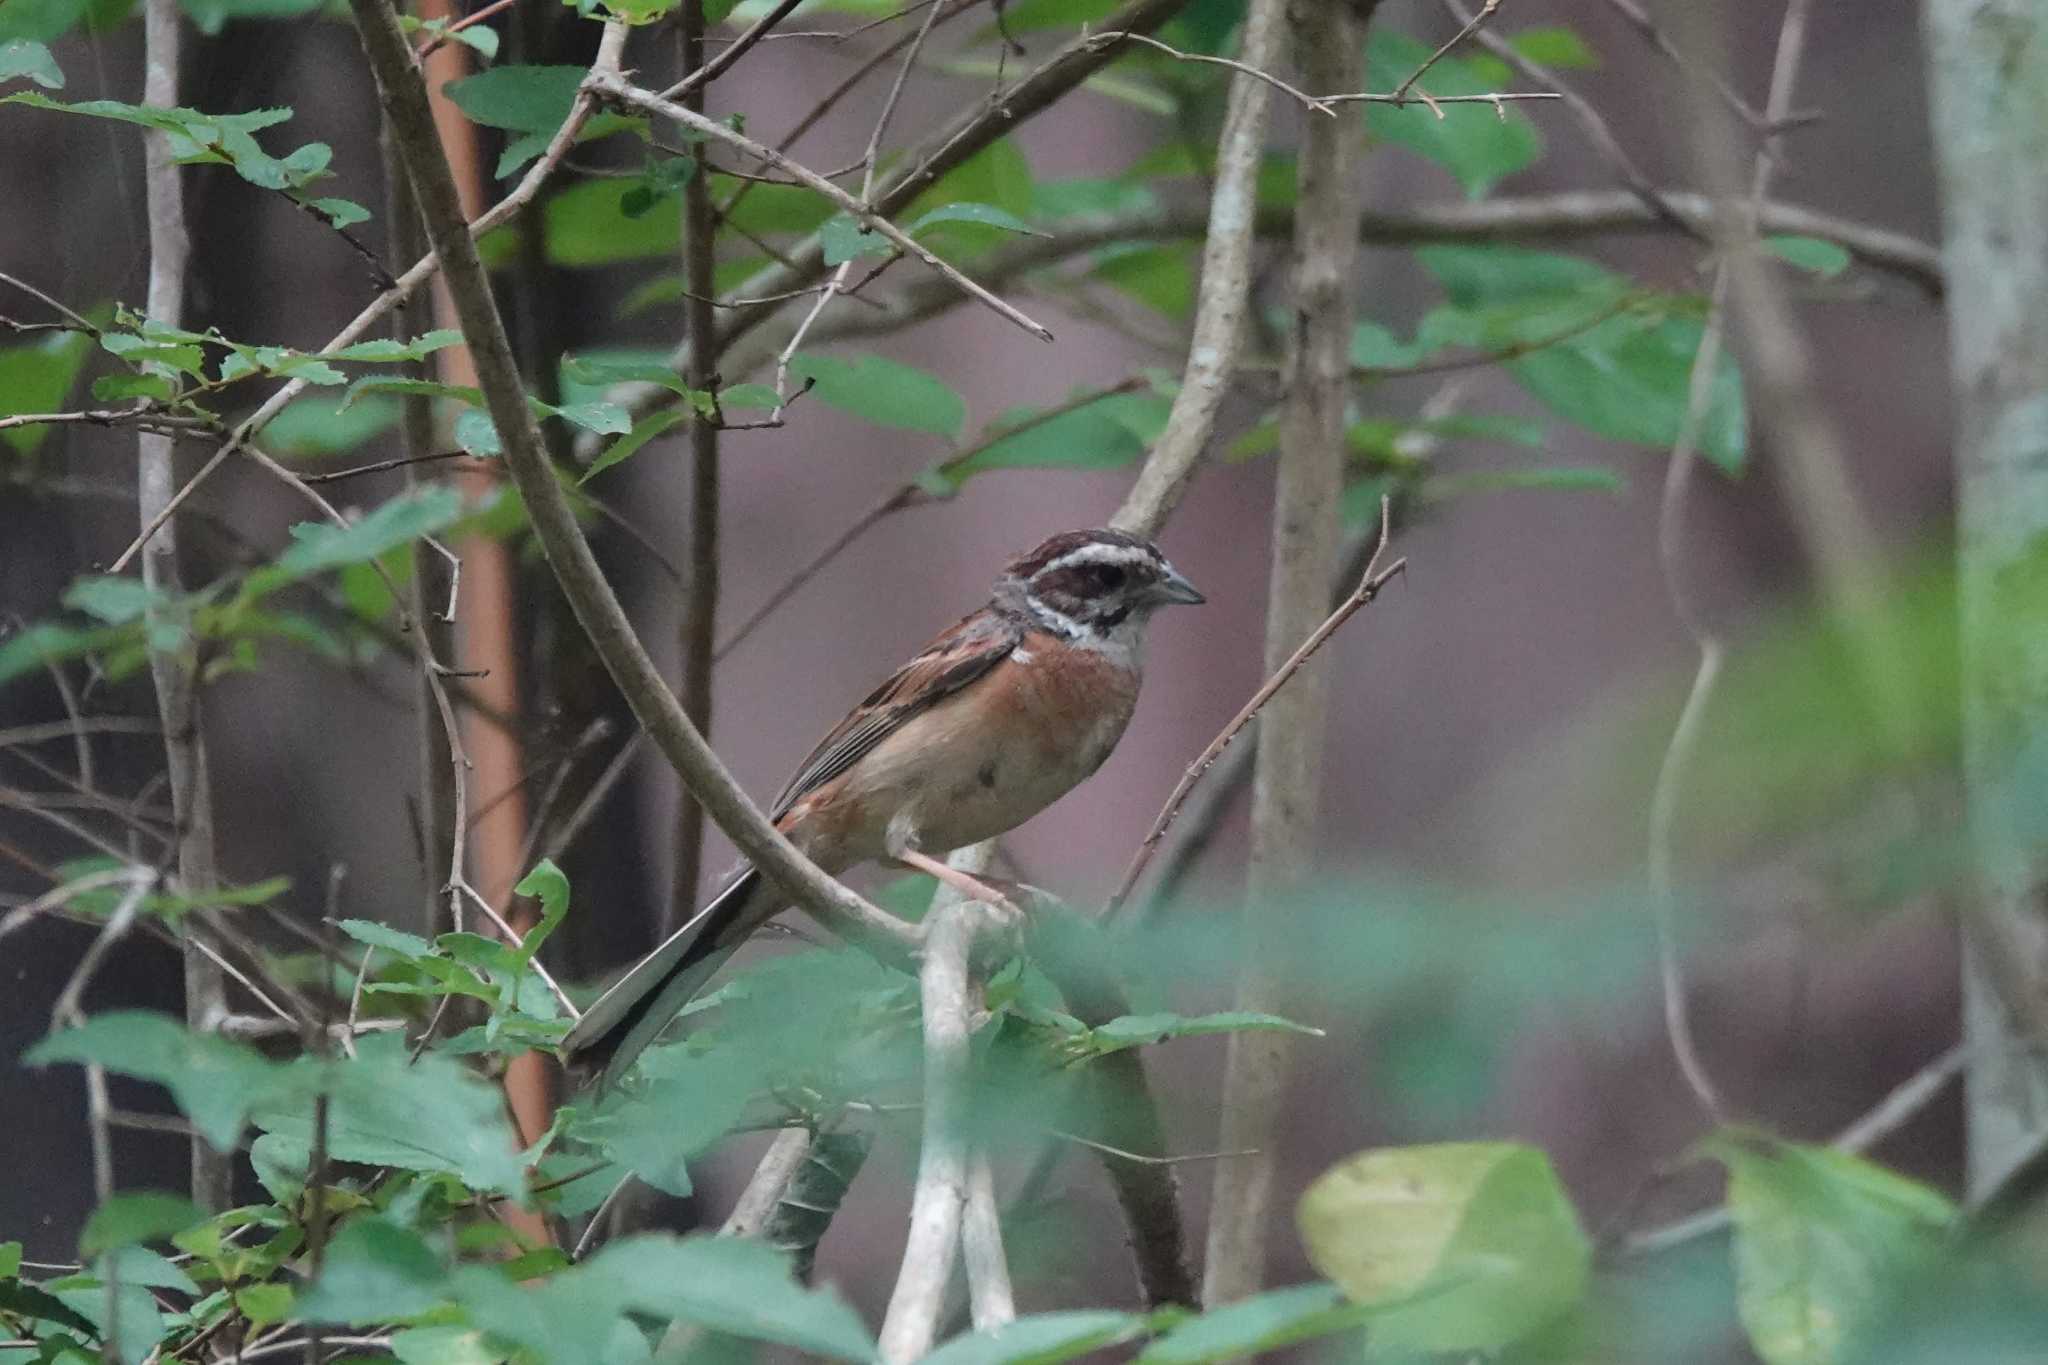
956	658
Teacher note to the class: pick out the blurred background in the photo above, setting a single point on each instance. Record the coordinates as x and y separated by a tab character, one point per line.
1497	718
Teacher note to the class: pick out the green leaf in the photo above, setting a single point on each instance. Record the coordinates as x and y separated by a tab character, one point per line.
1471	141
138	1265
882	391
135	1217
548	884
392	349
587	225
41	21
114	600
600	418
316	425
1040	1339
523	99
654	424
843	239
10	1260
475	433
213	1081
1555	46
758	396
21	57
319	546
1825	1243
37	376
1109	433
1482	1231
1616	360
1824	258
374	935
1261	1323
734	1286
970	216
1160	277
374	1271
1140	1030
432	1114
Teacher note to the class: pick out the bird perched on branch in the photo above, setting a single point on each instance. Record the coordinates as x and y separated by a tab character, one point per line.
989	724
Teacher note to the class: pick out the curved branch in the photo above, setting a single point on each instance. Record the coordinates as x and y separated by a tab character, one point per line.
597	608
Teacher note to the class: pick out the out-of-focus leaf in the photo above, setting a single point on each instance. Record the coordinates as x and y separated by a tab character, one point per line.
1478	1238
41	21
1141	1030
1610	358
373	1271
36	376
1160	277
432	1114
137	1216
1109	433
316	425
1825	1242
213	1081
550	887
1263	1322
1040	1339
587	225
844	239
731	1285
408	946
1471	141
884	392
21	57
1825	259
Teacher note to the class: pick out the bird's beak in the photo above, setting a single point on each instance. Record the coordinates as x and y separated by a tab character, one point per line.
1175	589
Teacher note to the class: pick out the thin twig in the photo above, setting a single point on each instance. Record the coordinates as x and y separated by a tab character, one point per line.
1310	102
512	937
616	89
717	66
1486	11
1368	589
608	49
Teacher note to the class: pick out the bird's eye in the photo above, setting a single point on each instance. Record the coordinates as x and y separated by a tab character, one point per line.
1109	575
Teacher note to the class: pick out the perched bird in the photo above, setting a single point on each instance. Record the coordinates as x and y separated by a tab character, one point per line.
993	721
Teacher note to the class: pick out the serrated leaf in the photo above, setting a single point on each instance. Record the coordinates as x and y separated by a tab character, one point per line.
1482	1231
374	935
392	349
547	884
882	391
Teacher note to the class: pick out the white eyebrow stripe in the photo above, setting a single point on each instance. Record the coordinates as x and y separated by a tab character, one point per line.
1099	553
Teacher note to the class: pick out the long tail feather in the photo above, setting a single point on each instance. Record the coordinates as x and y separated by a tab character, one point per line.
625	1019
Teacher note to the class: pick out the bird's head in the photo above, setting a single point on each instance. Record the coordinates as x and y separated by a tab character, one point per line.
1094	583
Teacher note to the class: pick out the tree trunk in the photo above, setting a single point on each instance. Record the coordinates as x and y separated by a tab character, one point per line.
1987	66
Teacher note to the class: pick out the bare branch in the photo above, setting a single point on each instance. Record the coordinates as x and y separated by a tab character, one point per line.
1368	589
615	89
1226	283
575	568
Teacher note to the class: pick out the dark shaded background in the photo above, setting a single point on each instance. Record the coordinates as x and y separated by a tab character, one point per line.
1477	740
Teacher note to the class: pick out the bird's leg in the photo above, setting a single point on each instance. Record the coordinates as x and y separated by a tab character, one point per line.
965	883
